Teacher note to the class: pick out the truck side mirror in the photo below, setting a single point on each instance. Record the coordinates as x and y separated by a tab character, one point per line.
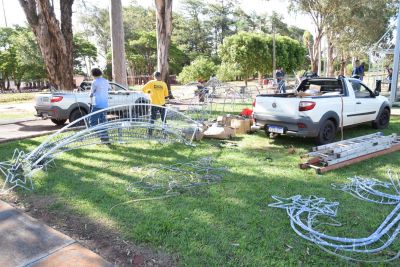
376	92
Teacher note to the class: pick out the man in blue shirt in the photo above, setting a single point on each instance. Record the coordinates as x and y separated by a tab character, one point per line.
356	70
280	77
99	91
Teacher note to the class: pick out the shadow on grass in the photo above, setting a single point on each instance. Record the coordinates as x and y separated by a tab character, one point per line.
226	224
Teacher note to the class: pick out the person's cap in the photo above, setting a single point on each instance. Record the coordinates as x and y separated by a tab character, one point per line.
157	74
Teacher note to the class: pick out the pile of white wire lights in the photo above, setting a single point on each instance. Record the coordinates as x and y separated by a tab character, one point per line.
305	217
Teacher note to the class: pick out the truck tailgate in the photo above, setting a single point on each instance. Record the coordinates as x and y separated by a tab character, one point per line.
43	100
287	106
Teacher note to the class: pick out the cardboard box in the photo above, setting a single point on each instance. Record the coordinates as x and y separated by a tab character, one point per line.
241	126
219	132
225	120
221	120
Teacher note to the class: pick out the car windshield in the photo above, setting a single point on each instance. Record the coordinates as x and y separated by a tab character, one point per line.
116	87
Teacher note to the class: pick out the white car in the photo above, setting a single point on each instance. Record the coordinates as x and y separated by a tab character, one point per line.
320	107
63	106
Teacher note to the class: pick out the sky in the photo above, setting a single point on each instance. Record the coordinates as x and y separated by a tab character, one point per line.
15	14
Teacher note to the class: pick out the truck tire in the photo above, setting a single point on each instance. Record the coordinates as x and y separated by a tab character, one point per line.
76	114
59	122
383	119
327	133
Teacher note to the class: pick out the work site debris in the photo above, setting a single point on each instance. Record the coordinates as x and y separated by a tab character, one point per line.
219	132
339	154
228	126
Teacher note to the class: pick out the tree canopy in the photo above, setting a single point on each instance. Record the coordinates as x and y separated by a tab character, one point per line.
20	58
252	52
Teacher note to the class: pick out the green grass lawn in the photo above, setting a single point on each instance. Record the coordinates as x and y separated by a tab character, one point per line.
20	115
16	97
225	224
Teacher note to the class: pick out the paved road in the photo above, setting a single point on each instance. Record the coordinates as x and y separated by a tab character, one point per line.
23	129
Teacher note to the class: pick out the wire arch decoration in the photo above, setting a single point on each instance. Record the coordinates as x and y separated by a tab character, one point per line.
120	124
305	219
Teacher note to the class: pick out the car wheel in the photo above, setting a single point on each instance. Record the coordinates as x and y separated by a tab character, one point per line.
383	119
58	122
77	114
327	133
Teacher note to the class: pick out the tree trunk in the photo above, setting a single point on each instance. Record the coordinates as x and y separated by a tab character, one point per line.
343	64
54	39
330	62
164	31
18	84
117	43
260	79
315	53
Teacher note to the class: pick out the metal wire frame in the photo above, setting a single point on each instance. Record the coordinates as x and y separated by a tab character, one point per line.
123	124
182	176
304	214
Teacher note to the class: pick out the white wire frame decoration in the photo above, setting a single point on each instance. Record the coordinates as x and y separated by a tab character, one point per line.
305	214
200	101
122	124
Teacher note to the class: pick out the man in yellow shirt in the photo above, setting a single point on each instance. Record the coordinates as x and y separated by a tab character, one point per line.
158	91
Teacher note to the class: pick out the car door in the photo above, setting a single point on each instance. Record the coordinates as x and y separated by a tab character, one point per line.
366	105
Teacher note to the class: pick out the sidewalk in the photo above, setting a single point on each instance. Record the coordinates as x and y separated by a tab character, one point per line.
27	242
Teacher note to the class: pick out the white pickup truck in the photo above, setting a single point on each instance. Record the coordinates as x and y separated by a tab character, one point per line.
63	106
320	107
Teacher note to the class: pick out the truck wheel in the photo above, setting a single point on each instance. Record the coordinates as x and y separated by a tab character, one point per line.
383	119
59	122
327	133
76	114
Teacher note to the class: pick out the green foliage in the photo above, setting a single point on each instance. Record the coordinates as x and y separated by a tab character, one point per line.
96	24
227	72
190	33
141	54
83	51
247	51
290	54
199	28
252	52
200	69
221	19
20	58
138	19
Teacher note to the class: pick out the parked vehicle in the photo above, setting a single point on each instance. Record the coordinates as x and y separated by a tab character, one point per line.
63	106
320	107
